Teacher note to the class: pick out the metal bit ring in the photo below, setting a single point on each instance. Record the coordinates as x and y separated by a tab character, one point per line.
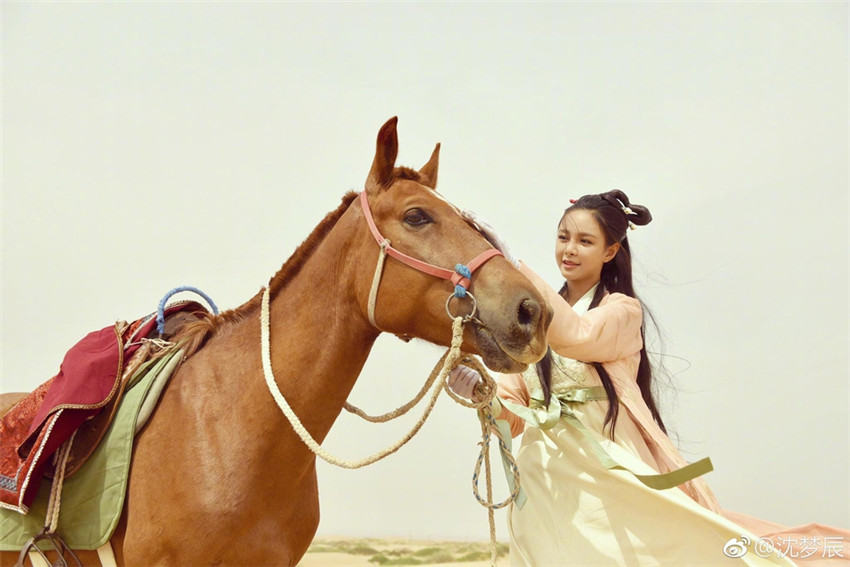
471	316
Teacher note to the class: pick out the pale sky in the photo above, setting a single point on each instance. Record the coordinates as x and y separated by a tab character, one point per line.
151	145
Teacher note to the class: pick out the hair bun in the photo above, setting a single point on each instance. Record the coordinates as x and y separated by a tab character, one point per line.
636	214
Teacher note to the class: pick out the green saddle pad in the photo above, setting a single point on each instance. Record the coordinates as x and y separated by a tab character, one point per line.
93	497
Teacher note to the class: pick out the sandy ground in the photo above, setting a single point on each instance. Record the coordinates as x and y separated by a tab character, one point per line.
345	560
321	557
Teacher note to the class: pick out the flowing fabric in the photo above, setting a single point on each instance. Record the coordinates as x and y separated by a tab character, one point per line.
578	512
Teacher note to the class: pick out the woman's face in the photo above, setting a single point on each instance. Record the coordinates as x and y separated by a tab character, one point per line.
581	249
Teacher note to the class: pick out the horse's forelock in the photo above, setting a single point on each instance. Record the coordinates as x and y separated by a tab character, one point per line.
408	173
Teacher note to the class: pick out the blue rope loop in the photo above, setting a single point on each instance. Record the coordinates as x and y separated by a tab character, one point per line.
160	310
460	291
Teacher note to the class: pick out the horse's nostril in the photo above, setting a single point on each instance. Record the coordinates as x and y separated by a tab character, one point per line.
527	312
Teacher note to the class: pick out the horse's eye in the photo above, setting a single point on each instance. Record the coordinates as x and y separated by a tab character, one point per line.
415	217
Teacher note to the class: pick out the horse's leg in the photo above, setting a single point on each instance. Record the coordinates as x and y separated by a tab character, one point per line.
304	522
293	525
265	532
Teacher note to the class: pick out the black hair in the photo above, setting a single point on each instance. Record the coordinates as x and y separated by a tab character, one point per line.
615	214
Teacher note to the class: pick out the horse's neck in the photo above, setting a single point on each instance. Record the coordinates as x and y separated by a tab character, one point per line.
319	339
317	354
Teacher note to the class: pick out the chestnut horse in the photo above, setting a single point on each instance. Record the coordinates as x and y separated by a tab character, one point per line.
219	477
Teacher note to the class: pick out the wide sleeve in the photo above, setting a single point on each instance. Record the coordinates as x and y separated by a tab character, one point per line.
512	388
609	332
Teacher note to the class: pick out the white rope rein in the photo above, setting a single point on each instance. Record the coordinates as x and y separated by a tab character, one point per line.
452	357
450	360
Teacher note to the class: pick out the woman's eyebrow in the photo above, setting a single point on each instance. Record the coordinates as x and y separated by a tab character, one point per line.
580	234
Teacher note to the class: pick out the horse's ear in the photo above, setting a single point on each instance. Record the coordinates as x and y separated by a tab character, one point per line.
429	170
386	151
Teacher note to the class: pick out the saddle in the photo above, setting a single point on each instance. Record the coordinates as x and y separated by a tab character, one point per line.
89	436
79	402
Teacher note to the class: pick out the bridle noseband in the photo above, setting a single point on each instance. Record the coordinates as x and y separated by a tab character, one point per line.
460	276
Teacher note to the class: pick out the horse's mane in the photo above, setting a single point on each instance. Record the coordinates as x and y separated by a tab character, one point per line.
195	334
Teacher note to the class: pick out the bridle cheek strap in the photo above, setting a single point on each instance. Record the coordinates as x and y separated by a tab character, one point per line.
460	276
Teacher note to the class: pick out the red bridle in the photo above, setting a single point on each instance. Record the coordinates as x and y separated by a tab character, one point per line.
460	276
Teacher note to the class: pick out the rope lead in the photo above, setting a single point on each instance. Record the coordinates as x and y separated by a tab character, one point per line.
452	357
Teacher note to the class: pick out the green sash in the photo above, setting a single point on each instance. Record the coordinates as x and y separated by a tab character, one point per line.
559	408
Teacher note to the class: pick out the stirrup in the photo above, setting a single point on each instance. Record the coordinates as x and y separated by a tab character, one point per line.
58	544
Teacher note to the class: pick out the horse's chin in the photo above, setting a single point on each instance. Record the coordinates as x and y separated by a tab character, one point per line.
493	355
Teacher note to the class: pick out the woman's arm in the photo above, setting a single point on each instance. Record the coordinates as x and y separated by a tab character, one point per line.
512	388
604	334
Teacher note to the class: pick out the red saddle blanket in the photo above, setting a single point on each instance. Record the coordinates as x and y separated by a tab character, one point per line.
88	378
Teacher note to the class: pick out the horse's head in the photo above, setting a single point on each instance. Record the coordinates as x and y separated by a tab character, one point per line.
509	318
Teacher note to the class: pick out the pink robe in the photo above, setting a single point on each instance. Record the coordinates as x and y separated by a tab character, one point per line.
580	513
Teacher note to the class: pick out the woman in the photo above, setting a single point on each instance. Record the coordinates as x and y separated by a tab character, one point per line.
604	483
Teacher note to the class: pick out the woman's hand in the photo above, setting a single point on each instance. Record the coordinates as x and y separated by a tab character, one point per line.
490	234
463	380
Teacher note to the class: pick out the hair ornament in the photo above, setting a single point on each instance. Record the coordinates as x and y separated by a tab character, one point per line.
627	210
634	215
